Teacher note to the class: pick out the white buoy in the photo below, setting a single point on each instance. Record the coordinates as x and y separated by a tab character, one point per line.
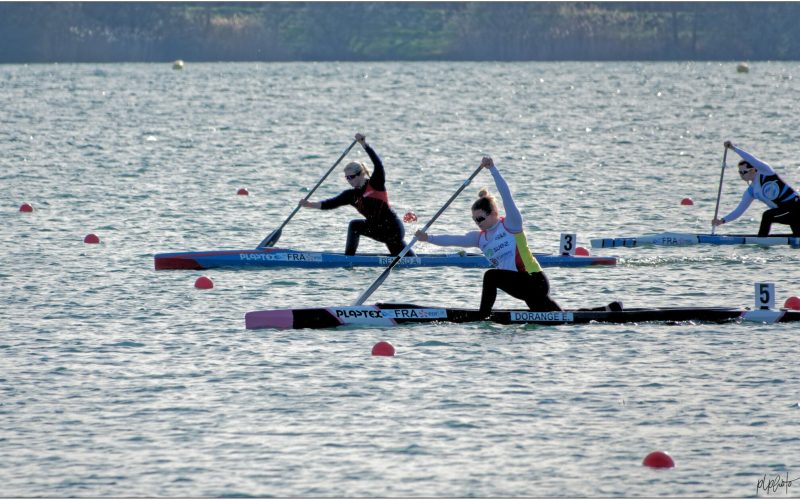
742	68
177	64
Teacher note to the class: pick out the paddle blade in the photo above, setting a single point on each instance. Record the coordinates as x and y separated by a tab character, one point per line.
273	238
270	240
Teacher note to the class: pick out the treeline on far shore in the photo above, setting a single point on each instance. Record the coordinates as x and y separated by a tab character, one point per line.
32	32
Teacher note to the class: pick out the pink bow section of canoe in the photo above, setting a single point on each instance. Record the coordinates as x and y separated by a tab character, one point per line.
283	319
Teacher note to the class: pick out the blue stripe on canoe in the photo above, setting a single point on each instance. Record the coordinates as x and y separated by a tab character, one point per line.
275	257
684	239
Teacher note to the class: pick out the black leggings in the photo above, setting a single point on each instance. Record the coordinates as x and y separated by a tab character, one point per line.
789	215
392	236
533	288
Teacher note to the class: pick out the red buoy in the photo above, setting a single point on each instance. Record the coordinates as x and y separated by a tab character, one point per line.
581	251
26	207
410	217
243	192
658	460
203	283
91	238
792	303
687	201
383	348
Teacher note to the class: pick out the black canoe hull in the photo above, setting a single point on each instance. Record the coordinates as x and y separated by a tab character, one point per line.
397	314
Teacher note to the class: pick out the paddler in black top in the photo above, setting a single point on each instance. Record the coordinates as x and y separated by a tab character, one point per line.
368	195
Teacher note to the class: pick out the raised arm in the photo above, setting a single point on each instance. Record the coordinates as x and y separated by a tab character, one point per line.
513	215
378	177
761	166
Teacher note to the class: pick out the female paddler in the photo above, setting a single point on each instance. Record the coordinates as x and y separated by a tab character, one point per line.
503	242
368	195
767	186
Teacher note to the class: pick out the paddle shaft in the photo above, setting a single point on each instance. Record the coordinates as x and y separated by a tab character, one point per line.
272	238
719	191
399	256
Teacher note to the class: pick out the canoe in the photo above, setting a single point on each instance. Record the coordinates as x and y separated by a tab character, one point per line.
686	239
283	257
388	314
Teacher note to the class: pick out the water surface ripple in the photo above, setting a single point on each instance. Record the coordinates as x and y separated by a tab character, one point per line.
117	380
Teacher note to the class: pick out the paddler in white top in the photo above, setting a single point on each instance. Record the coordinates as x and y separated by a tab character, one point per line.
502	240
767	186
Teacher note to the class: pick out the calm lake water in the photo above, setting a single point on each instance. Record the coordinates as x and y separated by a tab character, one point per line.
118	380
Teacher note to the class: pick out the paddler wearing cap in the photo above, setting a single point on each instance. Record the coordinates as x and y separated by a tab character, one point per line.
767	186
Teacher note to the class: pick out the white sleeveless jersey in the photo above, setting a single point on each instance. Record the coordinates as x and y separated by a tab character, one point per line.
767	187
506	250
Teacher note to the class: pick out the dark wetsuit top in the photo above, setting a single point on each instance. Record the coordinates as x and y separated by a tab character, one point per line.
371	200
